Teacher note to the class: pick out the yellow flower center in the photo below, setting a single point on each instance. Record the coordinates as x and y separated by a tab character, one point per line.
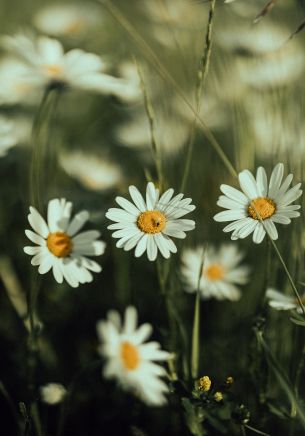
53	70
130	356
261	208
151	221
76	26
60	244
214	272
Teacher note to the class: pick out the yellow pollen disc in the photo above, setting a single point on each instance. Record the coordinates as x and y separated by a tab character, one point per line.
151	221
214	272
59	244
53	70
262	207
75	27
130	356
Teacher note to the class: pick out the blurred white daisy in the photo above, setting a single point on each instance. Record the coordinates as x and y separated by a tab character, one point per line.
149	225
92	172
69	20
8	138
47	62
171	132
270	203
279	301
60	248
221	271
52	393
17	84
129	359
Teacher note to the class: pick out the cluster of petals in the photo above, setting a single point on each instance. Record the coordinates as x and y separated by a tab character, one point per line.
129	359
149	225
60	247
259	206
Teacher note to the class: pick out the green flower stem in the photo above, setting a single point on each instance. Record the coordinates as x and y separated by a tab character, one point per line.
201	76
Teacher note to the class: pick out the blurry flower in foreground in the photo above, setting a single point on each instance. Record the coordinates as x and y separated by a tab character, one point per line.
220	273
17	85
58	247
8	136
70	20
149	225
92	172
271	204
45	61
279	301
52	393
129	359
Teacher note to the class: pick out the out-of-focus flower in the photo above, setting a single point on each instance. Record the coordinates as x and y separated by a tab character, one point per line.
258	201
60	248
92	172
68	20
8	137
221	271
52	393
131	88
129	359
17	85
149	225
46	63
171	133
279	301
264	58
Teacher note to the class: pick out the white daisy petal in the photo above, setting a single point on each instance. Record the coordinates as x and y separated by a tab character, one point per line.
78	222
35	238
152	249
262	183
38	223
137	198
230	215
248	184
234	194
275	180
127	205
259	233
142	245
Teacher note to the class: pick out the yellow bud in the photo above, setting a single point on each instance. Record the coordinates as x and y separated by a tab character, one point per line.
205	383
218	396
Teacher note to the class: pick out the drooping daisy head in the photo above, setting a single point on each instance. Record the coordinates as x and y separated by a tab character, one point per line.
60	246
93	173
50	66
279	301
217	270
149	225
260	205
129	359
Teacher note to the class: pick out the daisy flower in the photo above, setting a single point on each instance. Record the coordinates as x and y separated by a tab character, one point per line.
260	205
47	62
129	359
68	20
149	225
59	247
93	173
280	301
221	271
